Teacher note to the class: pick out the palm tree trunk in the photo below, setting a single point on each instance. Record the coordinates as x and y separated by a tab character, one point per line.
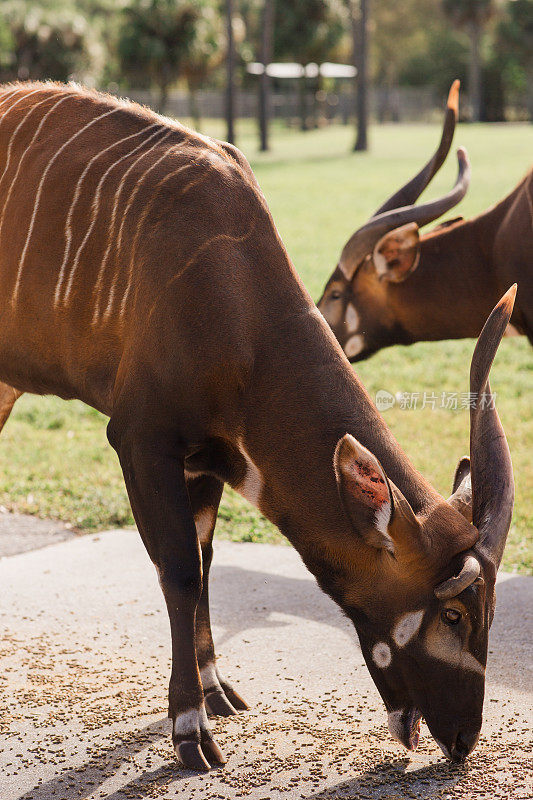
194	108
529	92
474	73
230	77
264	81
163	96
302	97
360	49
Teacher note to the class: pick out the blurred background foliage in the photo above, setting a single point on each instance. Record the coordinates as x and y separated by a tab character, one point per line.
161	45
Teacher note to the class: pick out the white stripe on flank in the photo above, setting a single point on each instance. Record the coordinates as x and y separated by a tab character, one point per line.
40	191
114	216
132	197
4	103
8	96
220	237
28	148
68	226
140	224
24	96
96	200
8	110
16	130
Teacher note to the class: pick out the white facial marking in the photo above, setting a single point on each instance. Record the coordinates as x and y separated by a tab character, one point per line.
468	661
252	485
204	521
407	626
382	518
446	646
209	677
381	654
394	721
354	345
352	319
191	721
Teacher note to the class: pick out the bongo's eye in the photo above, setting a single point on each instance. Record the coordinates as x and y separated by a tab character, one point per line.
450	616
335	296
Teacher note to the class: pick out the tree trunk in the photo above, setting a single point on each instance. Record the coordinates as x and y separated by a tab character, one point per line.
360	52
264	81
474	72
163	96
164	80
194	108
529	91
230	77
302	96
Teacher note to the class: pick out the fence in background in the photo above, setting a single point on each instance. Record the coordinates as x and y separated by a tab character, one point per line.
398	105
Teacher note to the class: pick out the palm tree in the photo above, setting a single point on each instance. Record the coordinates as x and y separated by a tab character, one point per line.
204	56
267	29
472	15
359	23
230	74
155	37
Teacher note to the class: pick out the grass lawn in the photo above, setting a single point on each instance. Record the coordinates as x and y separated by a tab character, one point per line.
55	458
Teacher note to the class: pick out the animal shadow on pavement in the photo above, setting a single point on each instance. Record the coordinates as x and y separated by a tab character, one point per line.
389	780
79	781
256	595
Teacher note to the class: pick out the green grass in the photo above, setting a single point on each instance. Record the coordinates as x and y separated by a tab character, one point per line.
56	461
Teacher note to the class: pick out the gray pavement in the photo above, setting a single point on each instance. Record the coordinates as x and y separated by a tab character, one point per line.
85	660
20	533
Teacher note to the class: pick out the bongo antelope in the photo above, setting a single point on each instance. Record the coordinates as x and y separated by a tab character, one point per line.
142	273
393	286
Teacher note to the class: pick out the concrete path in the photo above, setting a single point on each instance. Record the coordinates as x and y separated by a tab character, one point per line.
85	665
20	533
